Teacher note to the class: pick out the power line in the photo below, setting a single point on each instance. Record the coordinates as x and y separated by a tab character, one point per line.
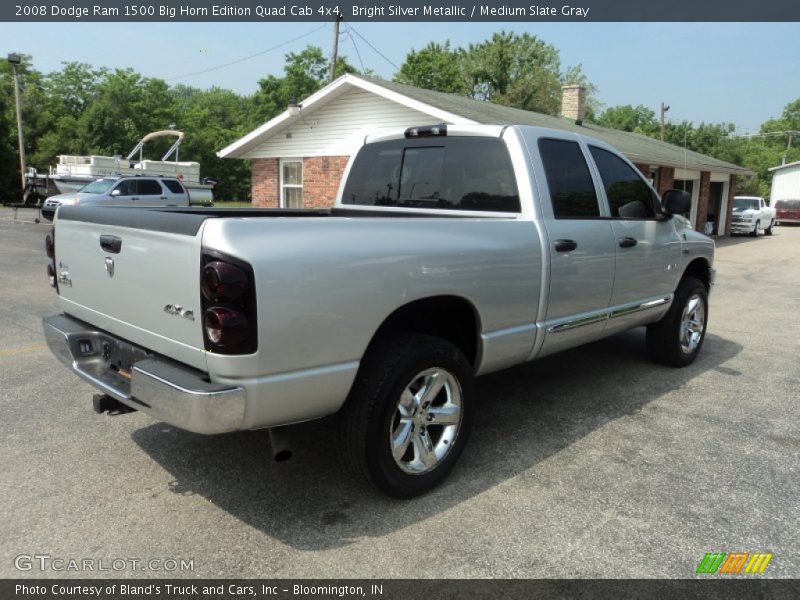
240	60
378	52
355	46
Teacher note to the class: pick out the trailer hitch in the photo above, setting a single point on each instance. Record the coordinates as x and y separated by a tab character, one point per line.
104	403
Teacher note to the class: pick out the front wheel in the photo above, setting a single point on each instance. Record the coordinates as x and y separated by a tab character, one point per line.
677	338
756	230
408	416
769	229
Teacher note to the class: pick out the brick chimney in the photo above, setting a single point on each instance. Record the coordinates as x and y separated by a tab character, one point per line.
573	102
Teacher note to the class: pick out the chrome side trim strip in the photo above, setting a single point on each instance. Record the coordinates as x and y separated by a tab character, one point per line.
605	315
634	308
567	325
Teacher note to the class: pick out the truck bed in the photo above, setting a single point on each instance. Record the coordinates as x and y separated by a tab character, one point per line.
187	220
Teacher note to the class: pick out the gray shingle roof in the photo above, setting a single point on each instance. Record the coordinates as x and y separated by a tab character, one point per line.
638	148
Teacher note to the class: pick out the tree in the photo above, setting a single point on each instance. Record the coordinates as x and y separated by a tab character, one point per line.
436	67
305	72
212	119
33	118
124	107
516	70
9	166
638	119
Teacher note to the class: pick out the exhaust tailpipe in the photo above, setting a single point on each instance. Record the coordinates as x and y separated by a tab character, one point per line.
281	450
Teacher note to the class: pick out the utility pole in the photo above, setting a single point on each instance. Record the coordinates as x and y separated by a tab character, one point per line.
788	147
664	109
15	60
772	134
335	53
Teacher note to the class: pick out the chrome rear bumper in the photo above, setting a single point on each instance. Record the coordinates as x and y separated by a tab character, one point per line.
166	390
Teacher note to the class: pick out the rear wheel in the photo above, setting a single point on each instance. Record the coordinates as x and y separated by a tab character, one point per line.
769	229
677	338
409	413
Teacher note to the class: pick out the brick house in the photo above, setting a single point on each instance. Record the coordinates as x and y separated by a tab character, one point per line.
298	157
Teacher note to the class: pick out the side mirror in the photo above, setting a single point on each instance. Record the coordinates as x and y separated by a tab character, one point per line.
116	192
676	202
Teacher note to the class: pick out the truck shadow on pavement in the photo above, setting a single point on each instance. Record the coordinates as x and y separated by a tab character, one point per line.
524	416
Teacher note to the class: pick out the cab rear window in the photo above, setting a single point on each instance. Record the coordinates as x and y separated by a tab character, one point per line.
457	173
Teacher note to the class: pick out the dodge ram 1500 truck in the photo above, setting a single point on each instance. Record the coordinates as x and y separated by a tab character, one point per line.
451	252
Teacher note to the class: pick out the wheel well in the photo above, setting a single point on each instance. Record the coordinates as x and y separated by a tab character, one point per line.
698	269
449	317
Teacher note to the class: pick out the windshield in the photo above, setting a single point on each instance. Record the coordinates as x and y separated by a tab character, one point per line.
745	203
101	186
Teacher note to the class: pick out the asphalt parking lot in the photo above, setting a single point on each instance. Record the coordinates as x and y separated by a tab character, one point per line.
591	463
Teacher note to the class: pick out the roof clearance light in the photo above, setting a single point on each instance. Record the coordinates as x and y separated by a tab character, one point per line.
427	131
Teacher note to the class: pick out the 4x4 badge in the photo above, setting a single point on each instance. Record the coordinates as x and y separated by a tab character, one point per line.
110	266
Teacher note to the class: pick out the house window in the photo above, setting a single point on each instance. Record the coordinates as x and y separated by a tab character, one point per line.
291	183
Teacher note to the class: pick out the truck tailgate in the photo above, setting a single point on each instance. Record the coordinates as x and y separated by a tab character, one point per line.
147	292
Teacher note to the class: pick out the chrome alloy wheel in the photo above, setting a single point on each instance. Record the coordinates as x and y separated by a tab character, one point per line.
693	321
426	421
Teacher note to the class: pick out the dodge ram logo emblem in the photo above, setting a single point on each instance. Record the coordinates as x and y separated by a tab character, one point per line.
179	311
110	266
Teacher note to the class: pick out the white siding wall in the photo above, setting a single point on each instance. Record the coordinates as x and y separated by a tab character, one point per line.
337	128
785	185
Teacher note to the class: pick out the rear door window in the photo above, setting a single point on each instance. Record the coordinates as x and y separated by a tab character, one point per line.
572	191
149	187
459	173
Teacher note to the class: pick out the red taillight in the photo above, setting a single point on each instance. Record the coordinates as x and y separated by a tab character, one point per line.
224	327
228	301
222	281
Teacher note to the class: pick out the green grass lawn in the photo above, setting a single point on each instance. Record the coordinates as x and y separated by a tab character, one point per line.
231	204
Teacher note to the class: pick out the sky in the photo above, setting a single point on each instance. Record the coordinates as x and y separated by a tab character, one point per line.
741	73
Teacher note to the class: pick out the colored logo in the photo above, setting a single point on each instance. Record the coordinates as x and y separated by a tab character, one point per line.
734	563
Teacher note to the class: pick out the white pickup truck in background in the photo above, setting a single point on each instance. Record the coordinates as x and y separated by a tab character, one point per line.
752	214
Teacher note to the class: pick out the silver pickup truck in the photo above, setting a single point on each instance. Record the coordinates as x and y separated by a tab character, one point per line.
451	252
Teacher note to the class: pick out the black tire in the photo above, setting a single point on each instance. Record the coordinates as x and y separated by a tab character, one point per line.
755	231
373	408
768	230
664	338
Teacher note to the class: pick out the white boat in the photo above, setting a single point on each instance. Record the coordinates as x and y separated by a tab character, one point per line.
73	172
